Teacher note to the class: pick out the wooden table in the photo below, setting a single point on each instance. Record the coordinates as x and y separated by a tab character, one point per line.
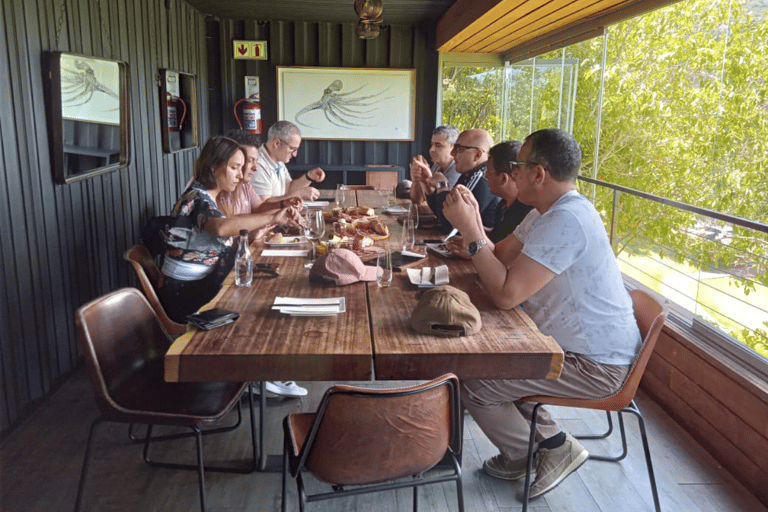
372	339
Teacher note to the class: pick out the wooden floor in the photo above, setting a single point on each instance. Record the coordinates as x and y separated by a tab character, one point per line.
40	464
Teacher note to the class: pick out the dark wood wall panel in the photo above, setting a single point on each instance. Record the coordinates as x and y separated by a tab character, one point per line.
331	45
720	407
62	245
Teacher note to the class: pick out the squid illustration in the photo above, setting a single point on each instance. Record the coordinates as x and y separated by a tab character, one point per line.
343	109
78	87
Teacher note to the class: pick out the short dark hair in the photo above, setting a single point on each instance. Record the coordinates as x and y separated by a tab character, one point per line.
245	138
449	132
556	150
217	151
503	153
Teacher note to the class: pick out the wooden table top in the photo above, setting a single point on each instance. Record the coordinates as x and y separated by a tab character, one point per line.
373	335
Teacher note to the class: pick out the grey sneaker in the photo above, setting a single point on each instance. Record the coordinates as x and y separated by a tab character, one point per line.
505	468
552	466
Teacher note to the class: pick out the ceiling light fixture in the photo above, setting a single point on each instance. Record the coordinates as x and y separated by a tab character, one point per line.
369	12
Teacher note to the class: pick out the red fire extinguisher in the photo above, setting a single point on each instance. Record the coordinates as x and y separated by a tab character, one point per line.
251	114
173	125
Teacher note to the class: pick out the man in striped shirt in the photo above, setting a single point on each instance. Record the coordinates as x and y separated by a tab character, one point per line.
470	153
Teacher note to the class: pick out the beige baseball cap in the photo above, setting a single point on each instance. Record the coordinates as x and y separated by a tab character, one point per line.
446	311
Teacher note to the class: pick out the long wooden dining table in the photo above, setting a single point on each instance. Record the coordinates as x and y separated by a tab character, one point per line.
372	339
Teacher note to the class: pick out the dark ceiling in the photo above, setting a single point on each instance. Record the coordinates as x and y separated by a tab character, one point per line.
396	12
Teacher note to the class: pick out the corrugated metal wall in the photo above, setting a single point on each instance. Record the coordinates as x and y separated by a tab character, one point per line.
62	245
330	45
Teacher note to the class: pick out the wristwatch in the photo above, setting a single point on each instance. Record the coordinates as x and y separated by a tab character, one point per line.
474	247
442	184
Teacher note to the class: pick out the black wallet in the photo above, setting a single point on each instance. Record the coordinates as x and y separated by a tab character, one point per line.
213	318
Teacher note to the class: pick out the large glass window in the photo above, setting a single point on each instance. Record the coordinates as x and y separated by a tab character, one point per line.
673	103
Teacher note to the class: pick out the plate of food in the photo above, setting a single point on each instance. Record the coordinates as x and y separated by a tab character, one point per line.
372	228
440	249
282	240
349	213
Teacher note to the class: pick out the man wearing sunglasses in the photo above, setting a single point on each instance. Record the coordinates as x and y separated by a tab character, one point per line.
271	181
470	154
559	266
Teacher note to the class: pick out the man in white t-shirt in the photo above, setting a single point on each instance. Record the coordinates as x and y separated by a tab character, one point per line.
271	181
558	264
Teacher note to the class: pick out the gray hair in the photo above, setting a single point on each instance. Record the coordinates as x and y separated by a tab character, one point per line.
556	150
282	130
449	132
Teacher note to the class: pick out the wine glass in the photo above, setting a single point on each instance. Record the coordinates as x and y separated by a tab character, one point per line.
384	269
341	195
315	228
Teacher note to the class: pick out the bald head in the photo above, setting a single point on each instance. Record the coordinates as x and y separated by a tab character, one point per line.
471	149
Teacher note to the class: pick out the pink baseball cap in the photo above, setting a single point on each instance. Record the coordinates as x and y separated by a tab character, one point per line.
343	267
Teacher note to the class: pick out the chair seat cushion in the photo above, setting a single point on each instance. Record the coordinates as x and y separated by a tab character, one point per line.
145	395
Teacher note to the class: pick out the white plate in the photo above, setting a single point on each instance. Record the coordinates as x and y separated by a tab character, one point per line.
297	306
285	253
293	241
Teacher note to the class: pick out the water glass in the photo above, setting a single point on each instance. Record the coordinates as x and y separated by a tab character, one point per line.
341	195
384	269
315	225
413	214
409	234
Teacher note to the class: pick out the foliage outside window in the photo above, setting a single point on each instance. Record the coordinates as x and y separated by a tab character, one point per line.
683	114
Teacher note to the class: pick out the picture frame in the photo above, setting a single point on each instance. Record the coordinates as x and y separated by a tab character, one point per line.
88	113
348	103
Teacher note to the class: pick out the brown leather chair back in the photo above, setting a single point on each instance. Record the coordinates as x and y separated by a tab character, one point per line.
363	436
149	277
650	319
120	336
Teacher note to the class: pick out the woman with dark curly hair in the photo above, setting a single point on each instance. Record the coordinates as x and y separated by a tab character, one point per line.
198	258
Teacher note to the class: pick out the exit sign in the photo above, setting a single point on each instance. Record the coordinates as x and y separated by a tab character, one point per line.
256	50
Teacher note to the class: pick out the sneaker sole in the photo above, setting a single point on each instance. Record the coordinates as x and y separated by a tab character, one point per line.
504	476
573	466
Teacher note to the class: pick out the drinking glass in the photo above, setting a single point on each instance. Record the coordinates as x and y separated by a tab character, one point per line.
384	262
409	234
413	214
341	195
315	228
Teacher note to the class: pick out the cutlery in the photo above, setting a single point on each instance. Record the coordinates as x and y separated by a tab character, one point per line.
452	234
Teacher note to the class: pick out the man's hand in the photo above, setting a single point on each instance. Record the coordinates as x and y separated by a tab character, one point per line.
435	179
461	210
308	193
457	247
317	175
420	171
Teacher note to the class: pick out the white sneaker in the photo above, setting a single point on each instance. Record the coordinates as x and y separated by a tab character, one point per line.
282	388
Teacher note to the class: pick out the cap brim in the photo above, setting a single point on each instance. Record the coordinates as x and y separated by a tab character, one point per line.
370	273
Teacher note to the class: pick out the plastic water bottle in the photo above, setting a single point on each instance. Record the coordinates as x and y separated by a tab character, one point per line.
243	263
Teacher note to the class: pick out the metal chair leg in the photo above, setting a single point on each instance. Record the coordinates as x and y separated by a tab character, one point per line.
200	466
218	430
632	408
529	463
600	436
86	463
415	498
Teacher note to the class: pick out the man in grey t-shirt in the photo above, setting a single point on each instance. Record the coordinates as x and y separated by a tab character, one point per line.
557	264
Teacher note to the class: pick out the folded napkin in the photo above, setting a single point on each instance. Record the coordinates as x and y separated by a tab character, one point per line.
316	204
413	254
297	306
302	253
428	277
396	210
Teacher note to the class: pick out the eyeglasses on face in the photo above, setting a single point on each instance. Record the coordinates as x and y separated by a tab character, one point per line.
459	147
516	165
292	148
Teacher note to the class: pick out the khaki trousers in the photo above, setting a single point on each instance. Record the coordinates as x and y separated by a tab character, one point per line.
506	421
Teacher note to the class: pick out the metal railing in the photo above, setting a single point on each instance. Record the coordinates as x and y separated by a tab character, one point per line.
708	309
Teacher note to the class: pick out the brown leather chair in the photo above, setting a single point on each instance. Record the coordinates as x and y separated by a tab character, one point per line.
149	277
357	187
369	437
124	346
650	318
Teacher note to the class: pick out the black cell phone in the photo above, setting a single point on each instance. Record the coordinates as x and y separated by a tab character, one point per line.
399	261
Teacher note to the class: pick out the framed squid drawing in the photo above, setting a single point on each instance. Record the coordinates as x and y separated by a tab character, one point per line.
348	103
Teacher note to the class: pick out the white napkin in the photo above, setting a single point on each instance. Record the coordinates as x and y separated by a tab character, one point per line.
316	204
413	254
396	210
422	277
302	253
298	306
